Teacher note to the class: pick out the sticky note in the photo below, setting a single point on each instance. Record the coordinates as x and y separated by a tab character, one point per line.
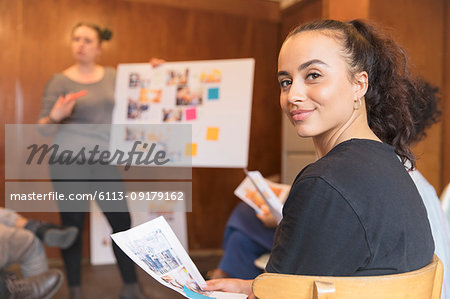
191	114
191	149
213	93
212	133
76	95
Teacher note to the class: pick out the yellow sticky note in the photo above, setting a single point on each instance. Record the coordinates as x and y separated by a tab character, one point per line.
191	149
212	133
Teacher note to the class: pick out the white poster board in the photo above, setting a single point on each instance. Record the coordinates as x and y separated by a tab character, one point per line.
213	96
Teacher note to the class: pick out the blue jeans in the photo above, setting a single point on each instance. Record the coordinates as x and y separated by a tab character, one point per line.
246	238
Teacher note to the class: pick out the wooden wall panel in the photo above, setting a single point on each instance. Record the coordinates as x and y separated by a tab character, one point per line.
143	29
345	10
9	20
418	27
446	93
301	12
259	9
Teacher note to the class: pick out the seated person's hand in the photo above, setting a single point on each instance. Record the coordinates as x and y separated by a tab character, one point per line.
230	285
266	217
155	62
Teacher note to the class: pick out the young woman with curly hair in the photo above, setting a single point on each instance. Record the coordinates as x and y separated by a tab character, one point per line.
355	211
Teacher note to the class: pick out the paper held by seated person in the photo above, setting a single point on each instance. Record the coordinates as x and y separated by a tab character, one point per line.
257	191
156	249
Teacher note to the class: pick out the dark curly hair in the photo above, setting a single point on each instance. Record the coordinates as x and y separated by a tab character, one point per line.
425	110
394	99
102	34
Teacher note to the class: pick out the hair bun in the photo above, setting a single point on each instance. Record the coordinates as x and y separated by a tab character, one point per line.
106	34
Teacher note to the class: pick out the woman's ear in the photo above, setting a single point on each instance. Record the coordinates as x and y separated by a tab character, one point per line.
361	83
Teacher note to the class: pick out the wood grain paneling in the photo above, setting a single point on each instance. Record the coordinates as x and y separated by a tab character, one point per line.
301	12
10	20
418	27
446	93
260	9
144	29
345	10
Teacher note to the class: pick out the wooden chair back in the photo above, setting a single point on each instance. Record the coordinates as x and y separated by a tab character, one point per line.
424	283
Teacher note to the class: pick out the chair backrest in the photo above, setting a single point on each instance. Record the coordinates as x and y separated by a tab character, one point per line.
424	283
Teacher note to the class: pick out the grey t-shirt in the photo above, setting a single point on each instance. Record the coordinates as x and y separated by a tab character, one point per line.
89	123
93	108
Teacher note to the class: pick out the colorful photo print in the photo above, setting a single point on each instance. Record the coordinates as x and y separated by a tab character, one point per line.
253	195
187	96
182	278
134	80
154	95
140	133
172	115
132	134
161	140
136	108
156	253
177	77
211	76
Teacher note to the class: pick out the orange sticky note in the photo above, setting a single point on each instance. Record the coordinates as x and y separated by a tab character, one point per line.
212	133
191	149
77	95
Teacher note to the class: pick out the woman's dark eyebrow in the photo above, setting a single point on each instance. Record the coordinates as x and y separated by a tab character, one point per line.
303	66
308	63
282	73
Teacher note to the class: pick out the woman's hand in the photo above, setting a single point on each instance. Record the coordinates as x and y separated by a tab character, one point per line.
230	285
266	217
63	107
155	62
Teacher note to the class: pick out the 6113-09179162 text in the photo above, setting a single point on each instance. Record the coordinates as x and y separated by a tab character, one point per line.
100	195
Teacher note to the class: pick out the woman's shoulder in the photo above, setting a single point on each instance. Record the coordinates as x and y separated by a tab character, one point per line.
109	76
57	78
361	147
354	160
57	82
110	71
355	153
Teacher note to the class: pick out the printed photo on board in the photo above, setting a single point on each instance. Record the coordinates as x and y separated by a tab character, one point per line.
187	96
177	77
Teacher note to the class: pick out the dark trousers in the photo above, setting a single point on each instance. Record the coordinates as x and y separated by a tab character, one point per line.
89	180
119	221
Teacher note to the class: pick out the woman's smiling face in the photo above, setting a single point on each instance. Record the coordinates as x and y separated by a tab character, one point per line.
317	90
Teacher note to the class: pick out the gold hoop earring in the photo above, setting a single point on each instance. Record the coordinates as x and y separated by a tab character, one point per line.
357	104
